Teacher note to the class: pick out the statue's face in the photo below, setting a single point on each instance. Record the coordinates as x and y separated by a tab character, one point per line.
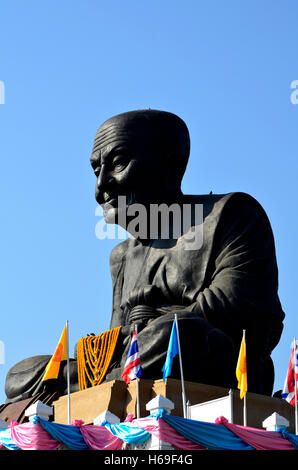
123	165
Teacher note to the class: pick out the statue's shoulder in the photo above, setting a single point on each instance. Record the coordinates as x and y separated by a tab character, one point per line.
220	204
240	200
118	252
241	207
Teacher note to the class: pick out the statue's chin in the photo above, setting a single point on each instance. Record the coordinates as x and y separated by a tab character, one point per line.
115	215
110	214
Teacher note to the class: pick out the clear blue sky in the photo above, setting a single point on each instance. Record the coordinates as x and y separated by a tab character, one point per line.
225	67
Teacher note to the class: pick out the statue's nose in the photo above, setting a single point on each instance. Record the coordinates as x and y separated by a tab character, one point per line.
104	178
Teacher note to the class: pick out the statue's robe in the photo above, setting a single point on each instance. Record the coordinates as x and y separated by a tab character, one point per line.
227	285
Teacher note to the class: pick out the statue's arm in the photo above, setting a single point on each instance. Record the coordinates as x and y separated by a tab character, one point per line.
242	277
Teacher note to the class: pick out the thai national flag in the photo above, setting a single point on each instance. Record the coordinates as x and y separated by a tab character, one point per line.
132	368
288	392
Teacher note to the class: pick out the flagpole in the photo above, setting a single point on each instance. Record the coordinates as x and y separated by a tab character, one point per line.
231	406
138	388
181	370
68	377
295	388
244	398
244	411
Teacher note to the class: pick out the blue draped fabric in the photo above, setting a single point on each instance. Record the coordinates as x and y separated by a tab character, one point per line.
69	435
209	435
72	437
5	439
128	433
291	437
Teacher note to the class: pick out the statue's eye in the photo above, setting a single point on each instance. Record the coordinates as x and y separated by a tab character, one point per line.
97	171
120	162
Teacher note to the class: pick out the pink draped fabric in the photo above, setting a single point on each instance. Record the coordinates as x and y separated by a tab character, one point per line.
30	436
166	433
260	440
129	418
100	438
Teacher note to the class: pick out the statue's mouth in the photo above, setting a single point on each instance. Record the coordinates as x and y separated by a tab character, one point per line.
109	200
112	201
116	201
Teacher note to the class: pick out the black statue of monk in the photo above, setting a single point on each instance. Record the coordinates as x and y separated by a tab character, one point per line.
223	282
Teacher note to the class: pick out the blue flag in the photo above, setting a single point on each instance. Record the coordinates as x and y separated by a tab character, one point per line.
173	350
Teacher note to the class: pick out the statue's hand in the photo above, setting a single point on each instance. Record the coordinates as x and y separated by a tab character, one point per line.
141	305
125	334
174	309
146	295
126	331
142	315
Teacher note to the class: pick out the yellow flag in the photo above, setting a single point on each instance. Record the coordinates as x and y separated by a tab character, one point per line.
241	371
60	354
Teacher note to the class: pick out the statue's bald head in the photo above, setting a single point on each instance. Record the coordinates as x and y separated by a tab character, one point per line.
163	133
141	155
